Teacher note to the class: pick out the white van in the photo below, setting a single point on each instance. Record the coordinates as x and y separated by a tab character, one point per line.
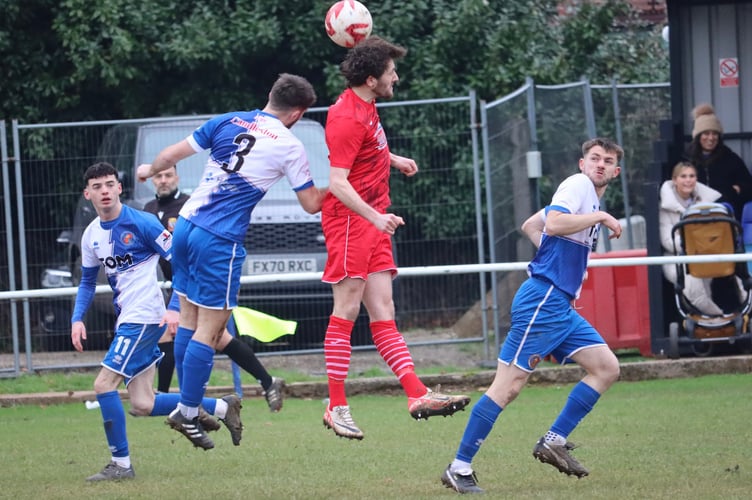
282	237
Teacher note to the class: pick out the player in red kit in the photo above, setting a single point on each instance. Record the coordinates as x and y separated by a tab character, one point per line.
358	231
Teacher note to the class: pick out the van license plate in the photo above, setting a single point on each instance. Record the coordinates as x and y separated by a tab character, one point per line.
278	266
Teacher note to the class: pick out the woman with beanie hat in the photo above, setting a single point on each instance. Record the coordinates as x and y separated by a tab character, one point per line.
717	165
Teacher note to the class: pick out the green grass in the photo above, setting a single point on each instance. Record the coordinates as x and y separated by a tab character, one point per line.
682	438
59	381
82	380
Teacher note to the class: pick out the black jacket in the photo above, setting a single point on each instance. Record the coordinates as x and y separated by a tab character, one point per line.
167	209
721	170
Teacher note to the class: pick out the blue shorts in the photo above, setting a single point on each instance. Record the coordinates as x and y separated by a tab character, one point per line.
543	323
134	349
206	268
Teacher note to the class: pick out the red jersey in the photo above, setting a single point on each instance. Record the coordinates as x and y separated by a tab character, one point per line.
357	142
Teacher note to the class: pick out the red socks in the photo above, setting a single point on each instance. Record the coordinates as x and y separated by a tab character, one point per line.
337	353
391	345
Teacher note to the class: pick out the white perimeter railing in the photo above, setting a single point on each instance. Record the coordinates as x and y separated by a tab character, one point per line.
21	295
421	271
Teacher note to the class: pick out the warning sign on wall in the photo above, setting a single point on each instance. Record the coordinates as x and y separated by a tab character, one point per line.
728	70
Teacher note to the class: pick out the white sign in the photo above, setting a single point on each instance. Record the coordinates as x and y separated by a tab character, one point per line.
728	70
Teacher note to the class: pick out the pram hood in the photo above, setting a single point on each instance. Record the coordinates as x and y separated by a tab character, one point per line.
707	229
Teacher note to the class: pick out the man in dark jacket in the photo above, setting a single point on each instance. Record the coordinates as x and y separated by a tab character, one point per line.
166	206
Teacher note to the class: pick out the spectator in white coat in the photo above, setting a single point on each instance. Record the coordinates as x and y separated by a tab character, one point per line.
677	194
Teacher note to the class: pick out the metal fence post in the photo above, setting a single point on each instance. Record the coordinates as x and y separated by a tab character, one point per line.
22	244
9	247
474	125
592	132
624	183
532	122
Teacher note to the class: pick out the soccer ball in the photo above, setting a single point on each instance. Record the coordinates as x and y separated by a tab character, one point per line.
348	22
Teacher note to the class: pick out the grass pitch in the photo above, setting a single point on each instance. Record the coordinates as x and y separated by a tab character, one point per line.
684	438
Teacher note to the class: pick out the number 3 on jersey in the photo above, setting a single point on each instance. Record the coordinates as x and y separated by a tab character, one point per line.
245	143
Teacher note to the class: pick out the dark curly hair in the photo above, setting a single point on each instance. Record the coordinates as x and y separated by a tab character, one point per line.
369	58
99	170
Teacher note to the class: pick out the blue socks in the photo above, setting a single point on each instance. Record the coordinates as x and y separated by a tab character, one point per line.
479	425
113	416
579	403
484	414
182	337
197	367
164	403
200	358
210	405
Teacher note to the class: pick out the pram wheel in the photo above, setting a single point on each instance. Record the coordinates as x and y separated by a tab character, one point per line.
747	346
702	349
673	340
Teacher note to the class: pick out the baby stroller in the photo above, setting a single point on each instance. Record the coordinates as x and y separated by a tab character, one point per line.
706	229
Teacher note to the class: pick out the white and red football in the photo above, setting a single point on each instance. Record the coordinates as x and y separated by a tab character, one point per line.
348	22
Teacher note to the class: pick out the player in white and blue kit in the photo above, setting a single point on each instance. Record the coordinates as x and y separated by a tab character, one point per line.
249	152
544	321
128	243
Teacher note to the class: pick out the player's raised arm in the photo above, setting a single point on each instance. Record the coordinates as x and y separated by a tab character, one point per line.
166	158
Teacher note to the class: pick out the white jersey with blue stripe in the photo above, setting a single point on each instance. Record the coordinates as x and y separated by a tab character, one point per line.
249	152
562	260
129	248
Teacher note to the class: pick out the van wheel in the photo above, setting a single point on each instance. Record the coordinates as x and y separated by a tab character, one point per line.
673	340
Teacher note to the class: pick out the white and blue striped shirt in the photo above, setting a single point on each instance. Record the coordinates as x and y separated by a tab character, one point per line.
249	152
562	260
128	248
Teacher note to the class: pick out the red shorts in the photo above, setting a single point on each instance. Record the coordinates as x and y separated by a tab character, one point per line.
355	249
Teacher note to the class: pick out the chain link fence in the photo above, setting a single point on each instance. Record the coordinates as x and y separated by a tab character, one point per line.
439	206
532	141
484	168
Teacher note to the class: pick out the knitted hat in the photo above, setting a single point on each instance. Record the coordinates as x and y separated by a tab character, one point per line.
705	120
